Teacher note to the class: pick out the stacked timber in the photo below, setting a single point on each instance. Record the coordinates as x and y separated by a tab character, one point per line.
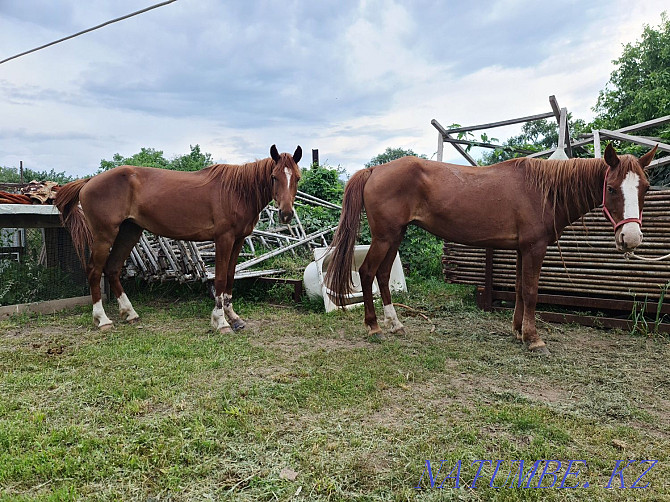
585	261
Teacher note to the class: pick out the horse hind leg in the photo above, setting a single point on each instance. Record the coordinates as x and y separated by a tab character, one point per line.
99	253
225	244
235	320
368	271
391	321
129	234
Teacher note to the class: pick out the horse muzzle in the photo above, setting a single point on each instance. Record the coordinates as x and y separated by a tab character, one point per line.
628	237
285	216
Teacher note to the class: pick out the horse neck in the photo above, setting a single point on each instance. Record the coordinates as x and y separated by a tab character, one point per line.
251	183
572	187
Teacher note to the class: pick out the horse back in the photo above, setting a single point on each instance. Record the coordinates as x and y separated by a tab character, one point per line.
171	203
471	205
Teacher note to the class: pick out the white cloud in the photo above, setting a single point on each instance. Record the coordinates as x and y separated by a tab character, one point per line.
350	78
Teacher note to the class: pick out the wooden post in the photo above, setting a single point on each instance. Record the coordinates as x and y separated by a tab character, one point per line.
597	153
315	156
484	294
440	146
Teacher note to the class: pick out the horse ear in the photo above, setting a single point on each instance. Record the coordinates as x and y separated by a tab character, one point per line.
297	155
647	157
610	156
274	153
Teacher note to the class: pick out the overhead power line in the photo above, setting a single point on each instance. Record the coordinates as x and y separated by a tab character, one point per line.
89	30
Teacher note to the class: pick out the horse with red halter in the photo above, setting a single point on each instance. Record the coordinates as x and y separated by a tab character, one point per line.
523	204
108	212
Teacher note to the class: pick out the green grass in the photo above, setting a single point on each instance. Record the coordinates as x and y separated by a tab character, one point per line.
166	409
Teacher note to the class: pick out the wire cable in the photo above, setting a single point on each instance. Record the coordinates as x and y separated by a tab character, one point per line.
89	30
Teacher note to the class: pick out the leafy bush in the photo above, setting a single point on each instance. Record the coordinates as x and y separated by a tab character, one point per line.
30	282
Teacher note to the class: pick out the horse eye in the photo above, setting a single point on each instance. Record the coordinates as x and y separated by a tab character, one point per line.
611	190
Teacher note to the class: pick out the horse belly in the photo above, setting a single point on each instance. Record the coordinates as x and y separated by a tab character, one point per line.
177	228
461	221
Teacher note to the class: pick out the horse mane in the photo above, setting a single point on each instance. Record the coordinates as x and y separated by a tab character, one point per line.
250	181
575	184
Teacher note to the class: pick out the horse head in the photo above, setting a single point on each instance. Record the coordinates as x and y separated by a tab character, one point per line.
285	176
624	189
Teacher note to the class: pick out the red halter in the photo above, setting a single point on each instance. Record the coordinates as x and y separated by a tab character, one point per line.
607	213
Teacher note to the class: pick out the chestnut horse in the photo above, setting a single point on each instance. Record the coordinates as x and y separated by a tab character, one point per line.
108	213
523	204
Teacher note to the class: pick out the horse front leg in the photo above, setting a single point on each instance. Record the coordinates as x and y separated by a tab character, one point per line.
234	319
224	246
517	323
530	271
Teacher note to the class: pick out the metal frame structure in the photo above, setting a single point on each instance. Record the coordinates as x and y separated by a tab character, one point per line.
586	272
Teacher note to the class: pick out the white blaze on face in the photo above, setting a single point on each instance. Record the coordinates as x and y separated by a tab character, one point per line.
631	232
288	174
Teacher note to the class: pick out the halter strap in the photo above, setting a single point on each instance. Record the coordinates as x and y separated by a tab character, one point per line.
608	215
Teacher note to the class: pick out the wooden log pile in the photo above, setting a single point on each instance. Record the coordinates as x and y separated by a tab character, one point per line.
585	264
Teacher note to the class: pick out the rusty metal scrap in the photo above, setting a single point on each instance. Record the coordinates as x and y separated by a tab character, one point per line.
156	258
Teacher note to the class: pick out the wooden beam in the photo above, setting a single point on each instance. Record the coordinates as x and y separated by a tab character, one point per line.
446	135
555	108
48	307
485	145
659	162
492	124
462	151
634	139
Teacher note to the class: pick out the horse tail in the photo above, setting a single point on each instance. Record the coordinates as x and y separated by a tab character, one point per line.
72	216
338	276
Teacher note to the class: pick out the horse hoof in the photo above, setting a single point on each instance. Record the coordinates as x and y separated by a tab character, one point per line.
399	331
134	320
225	330
105	327
239	325
539	348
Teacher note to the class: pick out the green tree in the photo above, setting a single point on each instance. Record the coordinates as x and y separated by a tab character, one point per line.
639	87
146	157
150	157
12	175
193	161
639	90
324	182
392	154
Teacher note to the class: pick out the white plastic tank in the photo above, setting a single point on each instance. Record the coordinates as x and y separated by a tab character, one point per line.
316	271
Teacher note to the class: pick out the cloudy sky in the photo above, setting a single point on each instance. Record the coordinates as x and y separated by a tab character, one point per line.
349	77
